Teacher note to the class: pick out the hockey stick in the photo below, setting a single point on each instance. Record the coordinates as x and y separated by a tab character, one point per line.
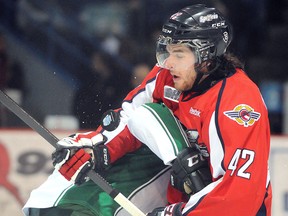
49	137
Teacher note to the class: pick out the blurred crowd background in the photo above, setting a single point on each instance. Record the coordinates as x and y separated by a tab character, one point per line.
68	61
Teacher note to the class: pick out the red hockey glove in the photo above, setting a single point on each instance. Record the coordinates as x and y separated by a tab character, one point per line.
77	154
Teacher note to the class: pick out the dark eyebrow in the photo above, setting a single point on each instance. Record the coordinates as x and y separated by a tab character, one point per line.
178	50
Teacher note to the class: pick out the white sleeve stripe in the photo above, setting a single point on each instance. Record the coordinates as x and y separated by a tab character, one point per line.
268	178
216	158
196	198
216	149
148	90
128	107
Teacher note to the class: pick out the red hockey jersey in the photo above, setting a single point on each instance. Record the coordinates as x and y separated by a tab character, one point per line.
232	121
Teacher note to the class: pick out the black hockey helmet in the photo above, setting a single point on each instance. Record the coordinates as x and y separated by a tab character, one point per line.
204	29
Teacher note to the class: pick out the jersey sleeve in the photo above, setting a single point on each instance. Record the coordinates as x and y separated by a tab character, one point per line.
121	141
144	93
238	137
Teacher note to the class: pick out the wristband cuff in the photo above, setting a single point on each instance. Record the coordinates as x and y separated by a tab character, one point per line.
102	157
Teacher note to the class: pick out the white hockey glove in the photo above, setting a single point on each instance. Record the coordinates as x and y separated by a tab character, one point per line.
77	154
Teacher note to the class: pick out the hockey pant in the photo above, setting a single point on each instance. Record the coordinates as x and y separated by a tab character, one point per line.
141	176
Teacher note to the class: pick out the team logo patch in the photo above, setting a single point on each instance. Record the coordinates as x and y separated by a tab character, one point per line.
171	93
174	16
243	115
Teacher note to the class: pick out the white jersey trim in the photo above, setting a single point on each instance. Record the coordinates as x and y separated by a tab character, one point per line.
196	198
216	149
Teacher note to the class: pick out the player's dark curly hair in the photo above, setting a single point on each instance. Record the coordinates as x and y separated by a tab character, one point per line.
227	64
233	60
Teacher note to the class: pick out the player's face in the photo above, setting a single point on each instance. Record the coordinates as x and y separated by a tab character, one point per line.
181	63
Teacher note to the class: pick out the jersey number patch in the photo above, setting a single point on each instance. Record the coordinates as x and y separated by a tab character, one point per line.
246	155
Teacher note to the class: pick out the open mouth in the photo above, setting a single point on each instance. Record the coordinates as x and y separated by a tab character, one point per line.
175	77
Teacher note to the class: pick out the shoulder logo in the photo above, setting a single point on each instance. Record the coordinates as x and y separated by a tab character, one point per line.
243	115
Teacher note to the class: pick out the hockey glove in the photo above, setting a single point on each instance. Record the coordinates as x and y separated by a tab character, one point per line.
174	209
190	171
76	155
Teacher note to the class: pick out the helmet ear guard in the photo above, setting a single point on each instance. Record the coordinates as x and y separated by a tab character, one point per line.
203	49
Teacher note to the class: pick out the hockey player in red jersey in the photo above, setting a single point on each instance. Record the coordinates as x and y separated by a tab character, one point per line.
220	112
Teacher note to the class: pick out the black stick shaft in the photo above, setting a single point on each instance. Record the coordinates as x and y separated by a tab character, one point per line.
50	138
28	119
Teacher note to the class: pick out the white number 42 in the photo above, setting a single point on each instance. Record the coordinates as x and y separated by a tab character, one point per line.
244	154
